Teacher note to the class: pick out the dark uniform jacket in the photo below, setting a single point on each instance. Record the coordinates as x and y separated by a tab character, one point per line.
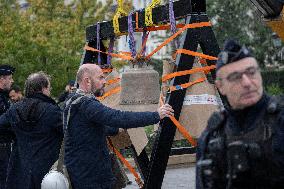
37	124
259	163
6	135
86	154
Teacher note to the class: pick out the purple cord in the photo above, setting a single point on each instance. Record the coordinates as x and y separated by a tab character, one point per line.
173	21
98	43
110	50
131	42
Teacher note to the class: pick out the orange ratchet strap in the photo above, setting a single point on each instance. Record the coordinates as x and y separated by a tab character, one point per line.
127	164
192	53
181	128
193	25
186	72
112	81
113	91
186	85
107	70
122	56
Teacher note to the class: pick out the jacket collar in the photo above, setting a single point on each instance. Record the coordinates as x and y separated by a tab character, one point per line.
81	92
42	97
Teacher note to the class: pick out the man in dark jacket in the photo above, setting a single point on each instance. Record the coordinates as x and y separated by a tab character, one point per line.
68	89
242	146
37	124
6	136
86	153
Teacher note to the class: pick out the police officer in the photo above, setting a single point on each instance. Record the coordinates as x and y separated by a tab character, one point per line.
6	136
242	146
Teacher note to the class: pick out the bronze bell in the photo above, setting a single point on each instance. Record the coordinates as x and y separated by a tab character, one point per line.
140	91
140	86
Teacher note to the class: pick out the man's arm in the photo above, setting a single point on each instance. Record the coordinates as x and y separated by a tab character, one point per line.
98	113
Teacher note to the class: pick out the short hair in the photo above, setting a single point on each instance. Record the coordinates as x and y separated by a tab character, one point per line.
81	72
16	88
36	82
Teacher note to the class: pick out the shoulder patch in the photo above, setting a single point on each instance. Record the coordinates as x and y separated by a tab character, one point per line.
275	104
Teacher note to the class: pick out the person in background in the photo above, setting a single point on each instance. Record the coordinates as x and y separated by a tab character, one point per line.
68	89
15	94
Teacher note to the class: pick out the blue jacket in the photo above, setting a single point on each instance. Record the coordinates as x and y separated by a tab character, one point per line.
86	153
37	124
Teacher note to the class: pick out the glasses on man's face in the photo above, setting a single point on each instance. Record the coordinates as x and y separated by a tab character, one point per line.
250	72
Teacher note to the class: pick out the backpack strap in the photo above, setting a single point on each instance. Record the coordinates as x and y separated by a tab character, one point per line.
76	99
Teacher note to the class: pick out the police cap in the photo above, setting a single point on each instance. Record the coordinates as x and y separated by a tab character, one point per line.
232	52
6	70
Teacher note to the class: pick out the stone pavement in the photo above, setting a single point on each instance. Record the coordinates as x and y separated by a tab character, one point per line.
175	178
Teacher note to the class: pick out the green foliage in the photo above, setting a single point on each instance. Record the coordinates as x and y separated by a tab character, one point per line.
273	82
274	89
237	19
48	36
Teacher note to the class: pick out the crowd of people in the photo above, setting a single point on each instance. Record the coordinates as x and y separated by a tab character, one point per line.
242	146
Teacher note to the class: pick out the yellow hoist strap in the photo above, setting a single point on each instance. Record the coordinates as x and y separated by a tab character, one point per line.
119	12
148	12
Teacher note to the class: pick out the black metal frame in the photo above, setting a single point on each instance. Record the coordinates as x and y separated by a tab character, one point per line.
162	148
194	11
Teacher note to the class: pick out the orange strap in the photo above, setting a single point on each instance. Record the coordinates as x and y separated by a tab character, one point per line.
181	128
113	91
107	70
186	85
203	61
122	56
192	53
112	81
194	25
186	72
125	52
127	164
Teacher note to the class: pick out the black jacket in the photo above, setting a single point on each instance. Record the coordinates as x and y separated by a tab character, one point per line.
6	136
239	124
37	124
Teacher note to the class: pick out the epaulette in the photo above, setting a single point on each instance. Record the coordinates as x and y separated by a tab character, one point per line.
275	104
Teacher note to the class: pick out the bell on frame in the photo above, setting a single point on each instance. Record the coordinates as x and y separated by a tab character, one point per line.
140	91
140	88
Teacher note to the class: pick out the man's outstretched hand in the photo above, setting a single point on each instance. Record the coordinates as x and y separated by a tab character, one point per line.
165	111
